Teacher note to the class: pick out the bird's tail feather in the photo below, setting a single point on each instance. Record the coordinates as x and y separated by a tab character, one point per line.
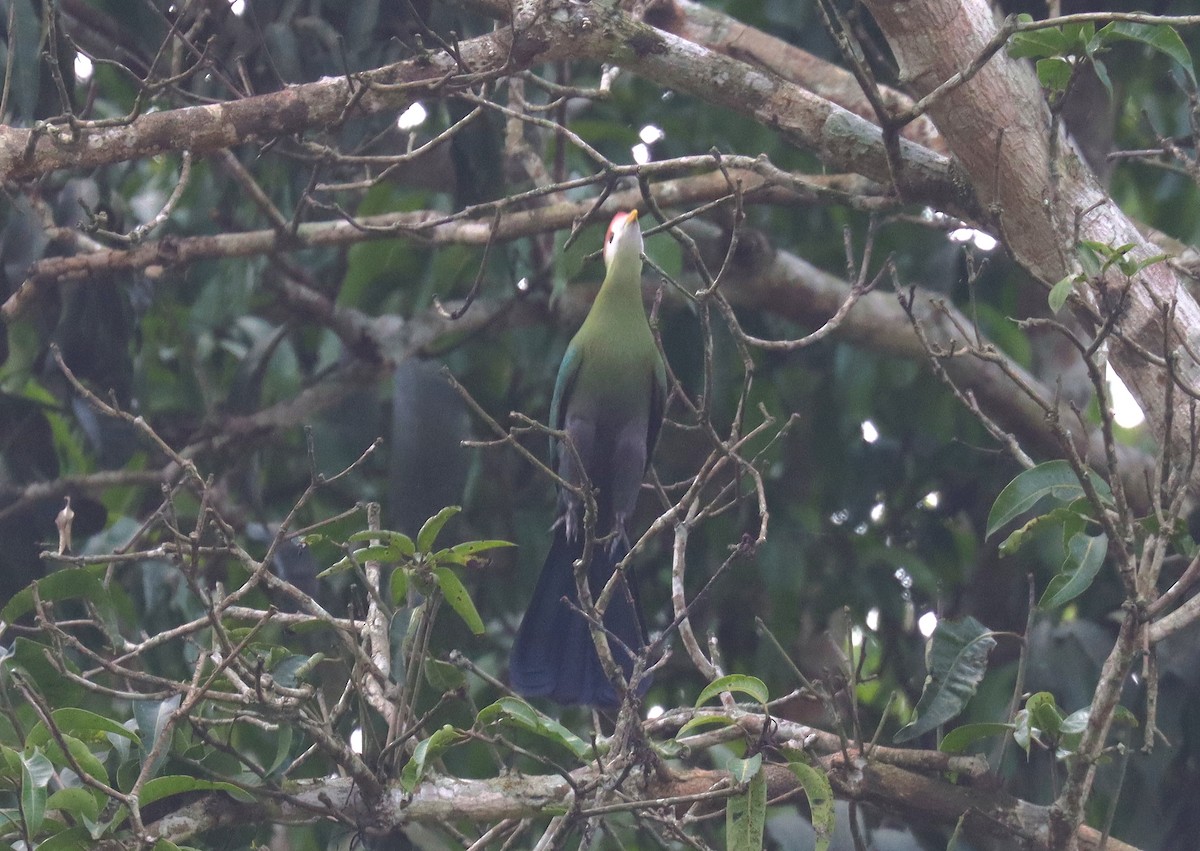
553	655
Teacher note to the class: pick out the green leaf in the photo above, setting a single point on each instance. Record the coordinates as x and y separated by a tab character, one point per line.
1044	714
443	676
703	721
1067	517
820	800
426	752
458	598
957	660
87	761
379	552
1048	41
752	686
398	585
339	566
397	541
461	553
1054	73
1060	291
1053	479
1160	37
89	726
75	801
36	772
71	583
433	526
152	716
176	784
1085	556
746	814
71	839
516	712
961	738
1023	732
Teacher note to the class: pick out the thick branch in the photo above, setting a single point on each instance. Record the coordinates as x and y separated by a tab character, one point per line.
1038	192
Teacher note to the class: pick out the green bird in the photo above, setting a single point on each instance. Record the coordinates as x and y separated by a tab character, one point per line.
609	399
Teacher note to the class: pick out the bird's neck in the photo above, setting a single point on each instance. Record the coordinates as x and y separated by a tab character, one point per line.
621	292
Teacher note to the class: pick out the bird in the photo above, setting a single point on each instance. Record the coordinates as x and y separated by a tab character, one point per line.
609	399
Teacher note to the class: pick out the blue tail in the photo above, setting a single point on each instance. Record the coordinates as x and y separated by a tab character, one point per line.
553	655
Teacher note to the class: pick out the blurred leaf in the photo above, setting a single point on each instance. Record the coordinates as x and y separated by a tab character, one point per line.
71	583
152	717
396	541
516	712
700	721
957	660
961	738
820	799
1060	291
458	598
1054	73
1085	556
752	686
176	784
1053	479
36	772
398	587
1161	37
443	676
745	814
75	801
461	554
89	726
433	526
426	752
1049	41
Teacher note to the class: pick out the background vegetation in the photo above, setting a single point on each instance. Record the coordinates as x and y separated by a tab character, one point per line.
269	264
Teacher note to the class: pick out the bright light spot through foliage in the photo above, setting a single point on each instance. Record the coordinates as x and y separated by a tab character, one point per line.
641	154
413	117
869	433
651	134
1126	411
932	499
982	241
927	624
83	68
238	7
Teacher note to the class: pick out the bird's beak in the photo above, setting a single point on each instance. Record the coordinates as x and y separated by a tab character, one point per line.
631	218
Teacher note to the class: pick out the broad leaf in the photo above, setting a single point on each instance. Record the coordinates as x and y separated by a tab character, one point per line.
957	660
433	526
71	583
1085	556
703	721
820	799
516	712
1054	480
1158	36
1054	73
458	598
426	752
961	738
752	686
746	814
1060	291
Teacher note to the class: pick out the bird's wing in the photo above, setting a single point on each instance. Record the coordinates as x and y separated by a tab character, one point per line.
658	406
565	383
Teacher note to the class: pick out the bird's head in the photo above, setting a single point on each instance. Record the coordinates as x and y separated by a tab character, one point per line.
624	239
